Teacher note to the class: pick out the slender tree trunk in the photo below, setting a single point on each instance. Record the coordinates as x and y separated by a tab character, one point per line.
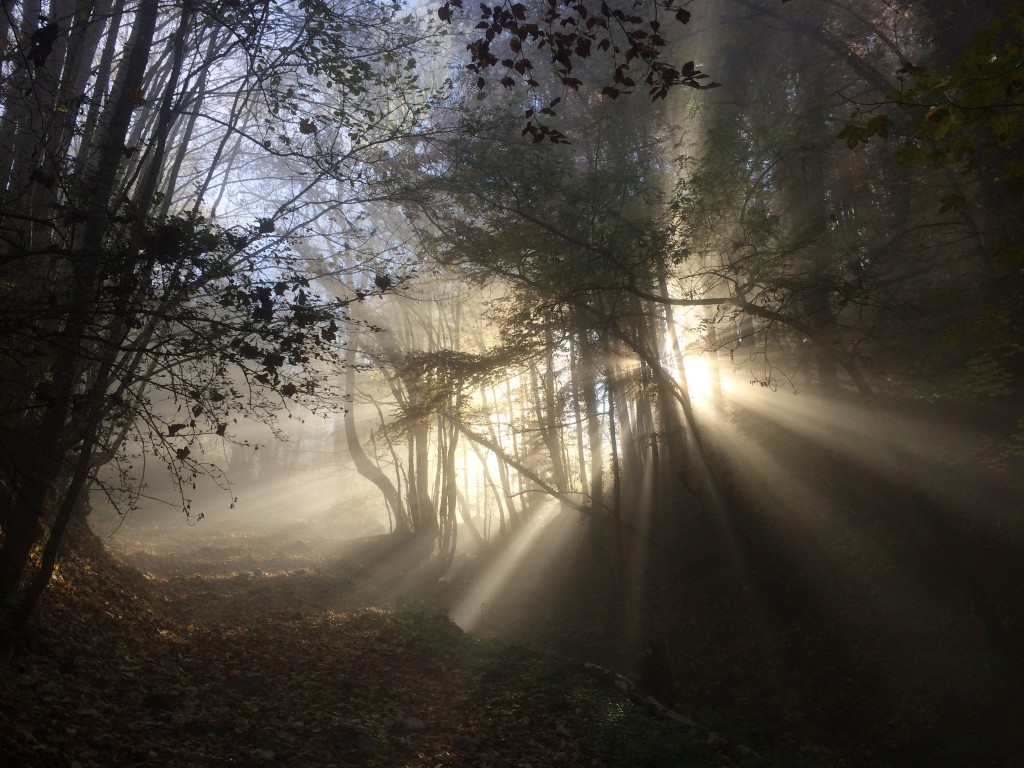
364	466
589	375
147	185
19	132
576	374
92	129
548	415
506	485
170	182
490	484
613	445
73	496
448	522
805	187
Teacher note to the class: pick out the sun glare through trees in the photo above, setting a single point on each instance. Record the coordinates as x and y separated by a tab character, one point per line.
577	382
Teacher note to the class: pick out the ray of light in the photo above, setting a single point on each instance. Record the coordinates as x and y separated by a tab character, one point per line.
527	556
827	551
922	455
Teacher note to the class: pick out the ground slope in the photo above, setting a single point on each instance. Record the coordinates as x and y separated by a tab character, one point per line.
287	669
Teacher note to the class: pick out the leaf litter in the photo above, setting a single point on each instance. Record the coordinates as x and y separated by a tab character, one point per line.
287	668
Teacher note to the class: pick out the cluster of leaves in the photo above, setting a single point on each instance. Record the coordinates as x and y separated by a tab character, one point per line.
570	32
219	326
326	71
970	116
254	305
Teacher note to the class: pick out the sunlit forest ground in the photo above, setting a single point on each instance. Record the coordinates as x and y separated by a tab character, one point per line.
292	668
859	606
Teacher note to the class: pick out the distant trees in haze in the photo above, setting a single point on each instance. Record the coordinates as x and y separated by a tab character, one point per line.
734	221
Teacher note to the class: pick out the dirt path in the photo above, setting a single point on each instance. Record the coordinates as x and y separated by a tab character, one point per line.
275	669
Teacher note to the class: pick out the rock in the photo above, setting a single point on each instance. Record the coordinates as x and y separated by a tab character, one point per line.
406	725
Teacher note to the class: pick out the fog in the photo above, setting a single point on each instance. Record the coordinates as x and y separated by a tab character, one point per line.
285	501
635	326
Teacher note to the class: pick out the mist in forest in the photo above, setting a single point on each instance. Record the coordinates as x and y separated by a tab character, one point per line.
604	328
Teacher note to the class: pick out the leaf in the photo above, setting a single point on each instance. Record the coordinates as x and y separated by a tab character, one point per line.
273	361
683	16
307	126
174	429
880	125
853	135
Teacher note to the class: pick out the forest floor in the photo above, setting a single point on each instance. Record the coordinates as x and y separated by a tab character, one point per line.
281	648
196	661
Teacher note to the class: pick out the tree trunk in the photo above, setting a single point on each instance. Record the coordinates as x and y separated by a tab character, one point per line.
588	387
362	463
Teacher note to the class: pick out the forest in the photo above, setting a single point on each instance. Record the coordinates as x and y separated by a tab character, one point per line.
551	382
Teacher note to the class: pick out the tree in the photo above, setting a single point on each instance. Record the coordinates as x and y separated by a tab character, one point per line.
570	234
139	316
635	245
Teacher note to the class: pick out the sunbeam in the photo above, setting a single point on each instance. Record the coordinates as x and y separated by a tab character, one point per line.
521	562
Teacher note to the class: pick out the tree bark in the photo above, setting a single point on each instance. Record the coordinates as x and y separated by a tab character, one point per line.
362	463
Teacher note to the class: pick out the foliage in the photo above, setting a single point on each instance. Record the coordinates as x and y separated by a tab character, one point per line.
153	292
568	32
969	116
